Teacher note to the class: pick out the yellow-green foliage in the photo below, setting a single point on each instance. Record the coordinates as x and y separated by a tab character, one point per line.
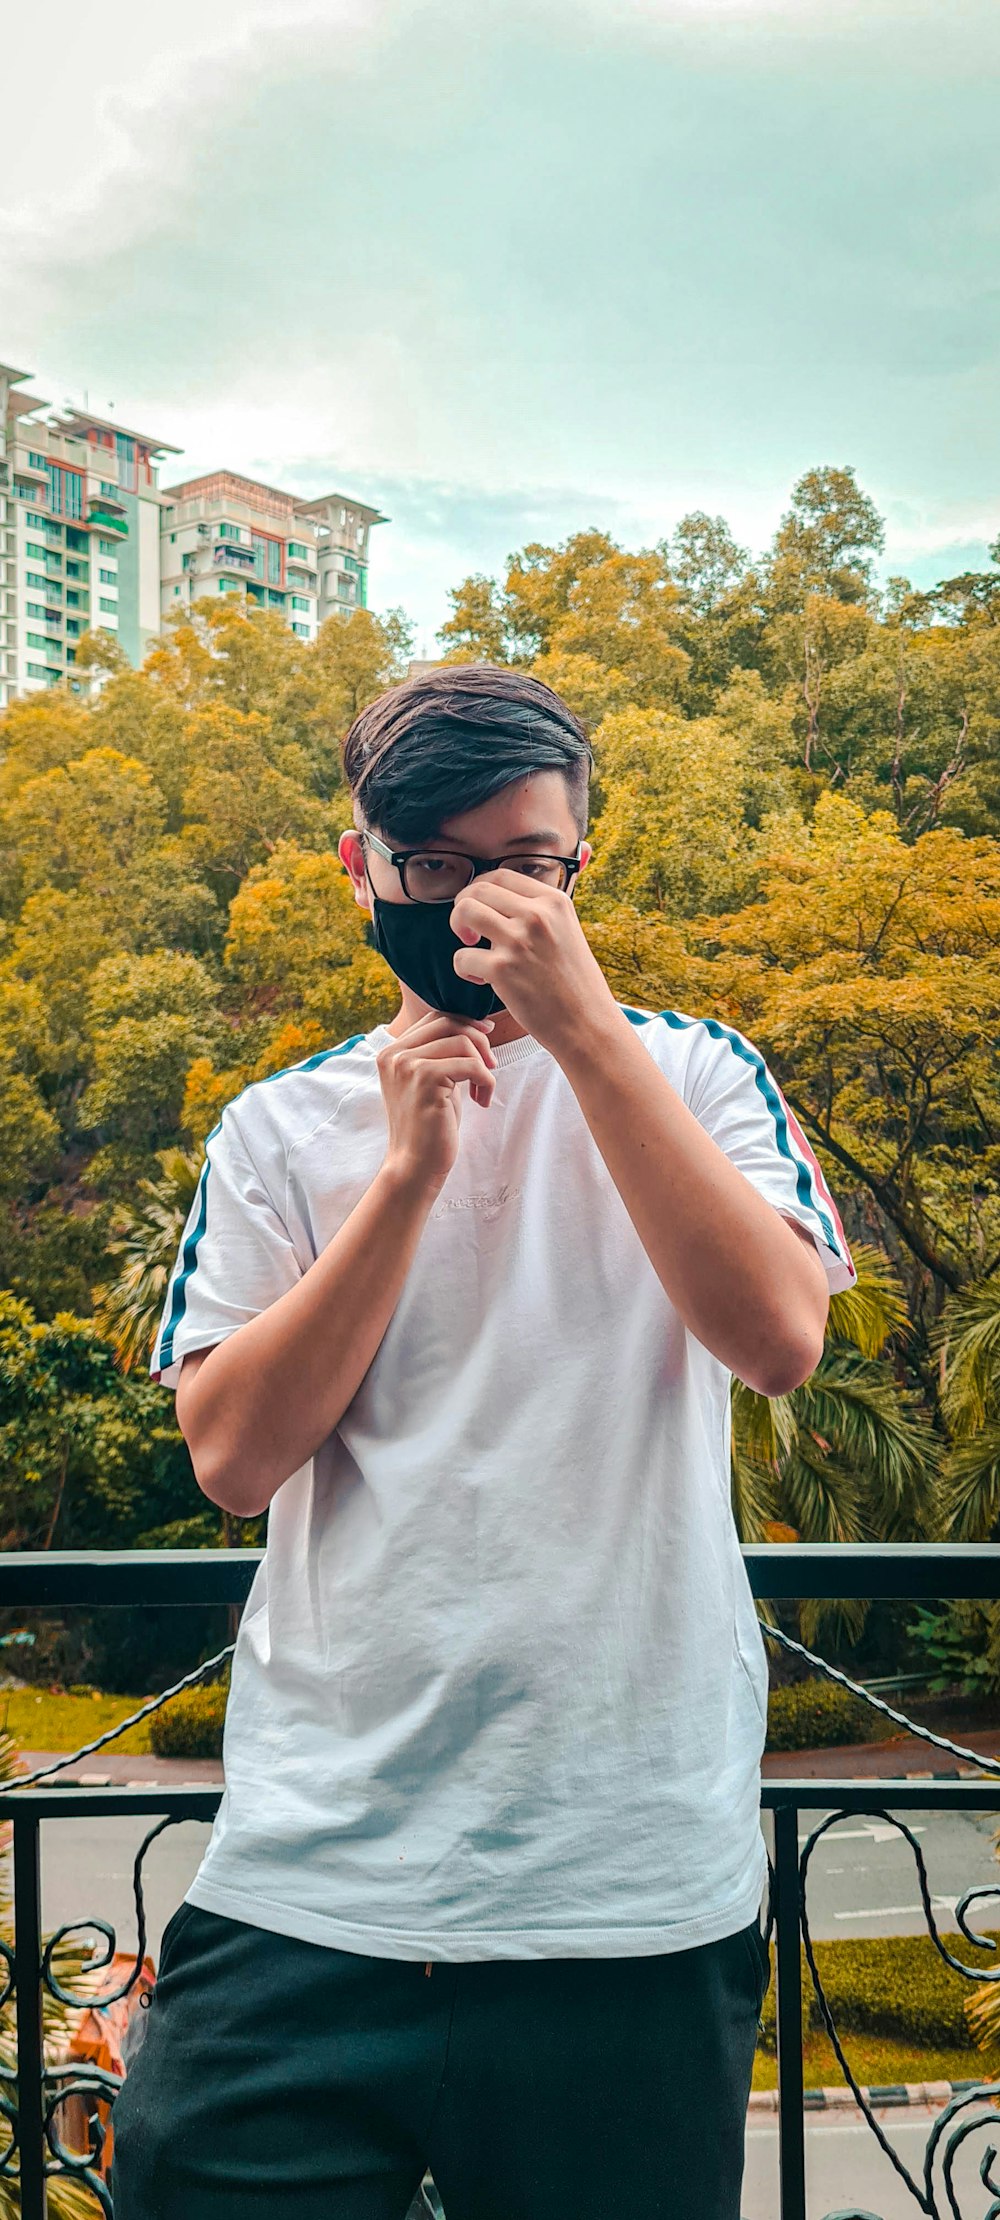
812	1713
190	1725
885	1985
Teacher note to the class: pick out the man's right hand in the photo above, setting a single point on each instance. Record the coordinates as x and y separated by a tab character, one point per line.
420	1072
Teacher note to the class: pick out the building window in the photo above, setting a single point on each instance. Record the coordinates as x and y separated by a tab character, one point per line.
295	548
108	577
302	630
71	655
73	626
41	522
275	601
35	639
300	601
34	580
110	608
106	488
37	462
36	670
33	609
110	547
345	587
229	531
187	562
72	597
65	490
76	539
127	467
37	552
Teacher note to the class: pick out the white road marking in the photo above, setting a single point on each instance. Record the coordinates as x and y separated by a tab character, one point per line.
878	1831
899	1911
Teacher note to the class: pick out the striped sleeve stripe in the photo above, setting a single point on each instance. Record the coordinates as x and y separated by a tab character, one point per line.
189	1255
810	1184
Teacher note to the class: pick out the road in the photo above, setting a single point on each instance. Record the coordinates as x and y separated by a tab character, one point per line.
863	1875
846	2170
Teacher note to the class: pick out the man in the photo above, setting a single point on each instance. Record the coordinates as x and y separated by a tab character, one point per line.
458	1301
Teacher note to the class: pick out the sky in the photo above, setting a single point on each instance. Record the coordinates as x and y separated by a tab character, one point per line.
512	268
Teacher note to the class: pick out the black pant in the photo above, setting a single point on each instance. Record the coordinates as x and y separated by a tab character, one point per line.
282	2080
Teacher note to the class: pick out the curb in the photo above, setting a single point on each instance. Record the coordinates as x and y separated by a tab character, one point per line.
842	2099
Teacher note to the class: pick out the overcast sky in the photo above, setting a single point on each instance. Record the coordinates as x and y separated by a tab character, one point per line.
510	268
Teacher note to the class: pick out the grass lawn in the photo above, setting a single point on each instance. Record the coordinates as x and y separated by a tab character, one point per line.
876	2060
40	1721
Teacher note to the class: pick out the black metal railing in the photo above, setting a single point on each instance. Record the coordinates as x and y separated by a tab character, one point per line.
30	2099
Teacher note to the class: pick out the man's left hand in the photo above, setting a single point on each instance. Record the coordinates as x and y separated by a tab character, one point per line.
538	962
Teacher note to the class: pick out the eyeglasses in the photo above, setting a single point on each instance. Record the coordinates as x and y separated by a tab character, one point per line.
431	875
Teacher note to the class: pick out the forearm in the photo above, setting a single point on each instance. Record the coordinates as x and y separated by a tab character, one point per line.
266	1397
734	1271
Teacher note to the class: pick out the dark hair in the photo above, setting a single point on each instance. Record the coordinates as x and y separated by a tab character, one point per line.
440	744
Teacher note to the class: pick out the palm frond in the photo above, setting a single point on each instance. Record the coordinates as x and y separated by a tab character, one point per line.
971	1486
967	1339
880	1433
868	1314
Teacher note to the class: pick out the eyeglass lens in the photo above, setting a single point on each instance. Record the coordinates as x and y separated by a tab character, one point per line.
438	878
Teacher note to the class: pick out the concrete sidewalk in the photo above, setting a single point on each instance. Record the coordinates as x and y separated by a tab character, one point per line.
112	1768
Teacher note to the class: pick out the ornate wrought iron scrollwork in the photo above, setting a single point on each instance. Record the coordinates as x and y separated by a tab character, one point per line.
939	2146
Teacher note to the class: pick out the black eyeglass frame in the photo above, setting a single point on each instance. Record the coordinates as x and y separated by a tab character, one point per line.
402	856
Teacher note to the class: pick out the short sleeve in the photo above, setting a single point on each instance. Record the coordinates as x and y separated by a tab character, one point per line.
737	1099
235	1256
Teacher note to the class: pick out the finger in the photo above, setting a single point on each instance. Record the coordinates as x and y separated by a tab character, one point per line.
445	1024
475	965
479	1053
506	891
478	919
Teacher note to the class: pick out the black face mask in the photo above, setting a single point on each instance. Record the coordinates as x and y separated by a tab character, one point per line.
418	944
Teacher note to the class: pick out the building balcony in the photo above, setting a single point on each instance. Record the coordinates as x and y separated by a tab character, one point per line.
105	515
229	556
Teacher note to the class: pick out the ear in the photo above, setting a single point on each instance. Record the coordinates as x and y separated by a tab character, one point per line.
352	856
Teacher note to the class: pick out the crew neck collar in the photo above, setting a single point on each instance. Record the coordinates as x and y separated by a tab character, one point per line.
504	1052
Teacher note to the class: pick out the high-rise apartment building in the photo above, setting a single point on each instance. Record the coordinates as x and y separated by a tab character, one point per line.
79	536
89	541
226	534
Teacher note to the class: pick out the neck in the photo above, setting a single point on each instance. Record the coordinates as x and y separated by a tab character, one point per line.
505	1028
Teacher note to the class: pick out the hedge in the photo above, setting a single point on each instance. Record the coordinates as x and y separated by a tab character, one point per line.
191	1724
811	1713
887	1985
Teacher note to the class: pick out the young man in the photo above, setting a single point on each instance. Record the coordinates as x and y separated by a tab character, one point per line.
458	1300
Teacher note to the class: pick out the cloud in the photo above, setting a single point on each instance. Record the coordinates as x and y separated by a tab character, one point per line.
519	268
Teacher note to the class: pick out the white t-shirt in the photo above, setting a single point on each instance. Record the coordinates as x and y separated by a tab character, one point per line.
499	1689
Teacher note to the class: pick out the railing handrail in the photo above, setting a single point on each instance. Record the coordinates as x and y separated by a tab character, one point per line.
908	1571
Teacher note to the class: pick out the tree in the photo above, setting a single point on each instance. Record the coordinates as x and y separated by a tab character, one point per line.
826	542
87	823
244	794
867	969
298	946
847	1457
672	835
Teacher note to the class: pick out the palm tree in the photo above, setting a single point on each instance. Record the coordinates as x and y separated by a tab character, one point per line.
847	1457
967	1344
146	1239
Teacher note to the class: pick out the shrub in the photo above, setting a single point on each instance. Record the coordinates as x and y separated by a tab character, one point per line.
191	1724
814	1712
886	1985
